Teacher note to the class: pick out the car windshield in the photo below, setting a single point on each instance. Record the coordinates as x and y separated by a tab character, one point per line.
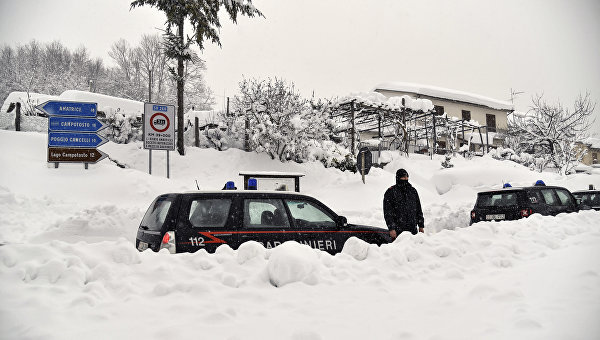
157	213
497	199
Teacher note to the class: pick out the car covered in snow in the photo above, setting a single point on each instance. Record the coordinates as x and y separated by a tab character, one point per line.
514	203
188	222
588	199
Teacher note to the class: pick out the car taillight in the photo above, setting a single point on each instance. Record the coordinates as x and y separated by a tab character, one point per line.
168	242
526	212
473	214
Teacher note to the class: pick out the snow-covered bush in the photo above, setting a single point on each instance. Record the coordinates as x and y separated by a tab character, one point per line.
278	121
121	128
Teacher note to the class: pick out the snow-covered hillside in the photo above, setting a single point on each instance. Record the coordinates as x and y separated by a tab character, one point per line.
69	268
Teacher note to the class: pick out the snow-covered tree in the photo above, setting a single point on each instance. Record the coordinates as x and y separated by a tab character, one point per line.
204	18
279	121
550	131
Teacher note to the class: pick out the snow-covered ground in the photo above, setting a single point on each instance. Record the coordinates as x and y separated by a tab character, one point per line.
69	268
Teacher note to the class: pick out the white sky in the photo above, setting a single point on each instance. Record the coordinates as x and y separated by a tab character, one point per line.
337	47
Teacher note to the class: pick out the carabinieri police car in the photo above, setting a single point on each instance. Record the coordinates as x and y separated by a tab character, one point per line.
188	222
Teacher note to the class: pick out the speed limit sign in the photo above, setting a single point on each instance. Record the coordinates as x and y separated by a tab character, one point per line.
159	126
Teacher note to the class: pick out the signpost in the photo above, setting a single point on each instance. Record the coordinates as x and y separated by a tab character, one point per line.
72	128
56	123
364	161
159	130
75	155
75	139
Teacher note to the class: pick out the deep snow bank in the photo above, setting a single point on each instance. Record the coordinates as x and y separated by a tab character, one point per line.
69	269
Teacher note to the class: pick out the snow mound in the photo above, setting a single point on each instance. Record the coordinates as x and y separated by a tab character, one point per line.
292	262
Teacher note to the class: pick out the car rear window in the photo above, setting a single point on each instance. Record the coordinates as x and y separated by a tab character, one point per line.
157	213
209	212
589	199
497	199
261	213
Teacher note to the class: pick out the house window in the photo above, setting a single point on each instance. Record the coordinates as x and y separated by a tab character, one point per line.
466	115
439	110
490	122
594	158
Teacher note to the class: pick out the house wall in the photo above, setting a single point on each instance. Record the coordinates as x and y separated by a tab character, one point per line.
454	109
592	155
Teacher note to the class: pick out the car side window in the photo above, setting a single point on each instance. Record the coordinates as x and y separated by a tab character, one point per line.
209	212
549	197
309	214
259	213
564	197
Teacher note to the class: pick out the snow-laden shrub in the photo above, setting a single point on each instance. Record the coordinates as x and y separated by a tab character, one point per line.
121	128
278	121
209	138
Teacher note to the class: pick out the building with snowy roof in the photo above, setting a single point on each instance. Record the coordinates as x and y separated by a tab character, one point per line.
487	112
591	149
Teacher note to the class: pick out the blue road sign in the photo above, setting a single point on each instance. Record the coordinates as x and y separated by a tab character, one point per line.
70	109
75	140
74	124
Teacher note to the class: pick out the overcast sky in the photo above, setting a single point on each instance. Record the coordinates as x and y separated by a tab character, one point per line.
334	48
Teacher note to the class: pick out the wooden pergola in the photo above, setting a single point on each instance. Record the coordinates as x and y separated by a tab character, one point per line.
363	116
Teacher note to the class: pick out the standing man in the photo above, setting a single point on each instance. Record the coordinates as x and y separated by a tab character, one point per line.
402	207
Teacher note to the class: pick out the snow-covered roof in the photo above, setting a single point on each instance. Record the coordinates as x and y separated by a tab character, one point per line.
443	93
271	173
593	142
105	103
392	103
22	97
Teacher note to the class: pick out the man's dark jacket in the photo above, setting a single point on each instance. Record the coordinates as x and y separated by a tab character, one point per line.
402	208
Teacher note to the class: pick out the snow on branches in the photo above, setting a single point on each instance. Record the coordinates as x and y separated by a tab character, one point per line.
279	122
550	131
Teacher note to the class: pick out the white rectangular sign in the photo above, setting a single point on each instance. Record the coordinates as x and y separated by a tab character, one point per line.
159	126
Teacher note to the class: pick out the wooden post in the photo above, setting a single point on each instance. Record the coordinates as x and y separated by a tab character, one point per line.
480	138
487	141
353	128
196	132
434	137
18	117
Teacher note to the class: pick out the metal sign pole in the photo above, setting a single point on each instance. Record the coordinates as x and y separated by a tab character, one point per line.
167	163
363	166
150	161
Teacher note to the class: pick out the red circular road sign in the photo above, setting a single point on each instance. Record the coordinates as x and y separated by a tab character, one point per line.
162	120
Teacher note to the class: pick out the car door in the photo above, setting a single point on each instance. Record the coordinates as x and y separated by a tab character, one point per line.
552	202
265	220
316	225
205	222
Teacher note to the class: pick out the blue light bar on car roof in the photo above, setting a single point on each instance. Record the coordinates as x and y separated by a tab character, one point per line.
540	182
507	185
252	184
230	185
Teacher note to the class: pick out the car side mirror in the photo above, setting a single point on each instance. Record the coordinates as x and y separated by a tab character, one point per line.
341	221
